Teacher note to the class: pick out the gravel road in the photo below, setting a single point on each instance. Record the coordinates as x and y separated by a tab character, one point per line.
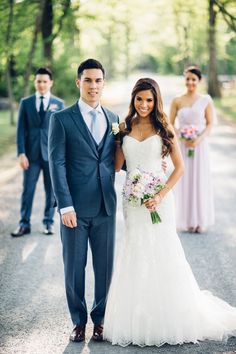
33	313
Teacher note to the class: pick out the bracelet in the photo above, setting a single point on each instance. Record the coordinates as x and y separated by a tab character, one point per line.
117	142
160	197
167	187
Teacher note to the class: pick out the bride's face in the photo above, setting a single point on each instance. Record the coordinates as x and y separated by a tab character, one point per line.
144	103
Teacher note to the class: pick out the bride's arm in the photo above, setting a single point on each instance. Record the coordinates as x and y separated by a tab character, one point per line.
178	163
119	157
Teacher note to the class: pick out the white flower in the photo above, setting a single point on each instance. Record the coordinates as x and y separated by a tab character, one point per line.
134	174
146	178
53	107
138	190
115	128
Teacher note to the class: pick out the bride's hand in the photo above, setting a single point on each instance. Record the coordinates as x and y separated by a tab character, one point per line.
151	203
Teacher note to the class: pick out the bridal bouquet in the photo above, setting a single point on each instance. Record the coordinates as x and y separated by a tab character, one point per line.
189	133
141	186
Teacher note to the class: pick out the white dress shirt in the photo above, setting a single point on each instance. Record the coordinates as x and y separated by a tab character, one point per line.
46	98
85	110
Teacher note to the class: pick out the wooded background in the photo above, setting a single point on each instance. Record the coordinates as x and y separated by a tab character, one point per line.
155	35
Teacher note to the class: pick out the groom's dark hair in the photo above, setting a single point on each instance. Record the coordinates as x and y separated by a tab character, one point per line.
90	64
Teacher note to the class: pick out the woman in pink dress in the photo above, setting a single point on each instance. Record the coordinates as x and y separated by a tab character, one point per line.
194	197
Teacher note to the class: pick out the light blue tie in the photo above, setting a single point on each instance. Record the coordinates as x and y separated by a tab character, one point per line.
95	128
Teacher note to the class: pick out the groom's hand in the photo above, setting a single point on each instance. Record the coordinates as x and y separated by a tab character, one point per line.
69	219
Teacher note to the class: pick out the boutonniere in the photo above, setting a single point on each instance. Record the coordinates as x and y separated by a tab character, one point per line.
115	128
53	107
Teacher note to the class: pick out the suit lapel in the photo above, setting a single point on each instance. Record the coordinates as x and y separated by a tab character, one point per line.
108	135
81	125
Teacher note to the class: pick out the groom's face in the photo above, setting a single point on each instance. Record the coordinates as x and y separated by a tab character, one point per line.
91	84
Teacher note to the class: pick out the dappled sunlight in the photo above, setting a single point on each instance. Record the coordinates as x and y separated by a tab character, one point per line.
51	254
4	214
231	232
28	249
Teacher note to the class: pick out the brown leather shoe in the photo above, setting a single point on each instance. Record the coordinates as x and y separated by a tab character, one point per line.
78	334
98	333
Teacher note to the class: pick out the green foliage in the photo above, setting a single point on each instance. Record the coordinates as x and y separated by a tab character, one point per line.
160	36
8	132
227	104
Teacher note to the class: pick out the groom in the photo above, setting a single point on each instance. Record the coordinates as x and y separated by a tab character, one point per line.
81	153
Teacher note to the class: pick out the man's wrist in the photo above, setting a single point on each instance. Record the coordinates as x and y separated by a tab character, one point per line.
67	210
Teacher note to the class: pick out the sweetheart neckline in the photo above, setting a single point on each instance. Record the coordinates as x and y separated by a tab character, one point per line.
141	141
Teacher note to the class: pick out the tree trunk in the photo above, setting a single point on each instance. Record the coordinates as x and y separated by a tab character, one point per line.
8	63
28	67
186	59
47	28
110	54
10	91
127	48
213	83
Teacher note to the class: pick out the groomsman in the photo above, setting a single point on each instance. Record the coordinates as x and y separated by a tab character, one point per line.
32	149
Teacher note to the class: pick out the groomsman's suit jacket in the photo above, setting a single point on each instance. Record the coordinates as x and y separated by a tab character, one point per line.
32	131
82	173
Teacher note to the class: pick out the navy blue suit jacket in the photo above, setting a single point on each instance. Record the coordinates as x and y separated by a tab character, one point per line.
32	133
82	173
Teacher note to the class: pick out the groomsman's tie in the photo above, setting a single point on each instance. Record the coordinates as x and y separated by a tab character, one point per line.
95	127
41	108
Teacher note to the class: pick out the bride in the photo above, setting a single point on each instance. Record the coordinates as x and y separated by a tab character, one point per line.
154	298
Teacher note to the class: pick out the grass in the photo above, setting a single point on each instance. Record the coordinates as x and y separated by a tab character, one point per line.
7	133
226	105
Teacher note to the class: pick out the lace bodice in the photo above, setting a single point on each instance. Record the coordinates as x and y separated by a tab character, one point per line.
145	154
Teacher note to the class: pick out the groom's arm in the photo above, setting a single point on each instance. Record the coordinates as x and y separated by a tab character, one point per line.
57	165
57	161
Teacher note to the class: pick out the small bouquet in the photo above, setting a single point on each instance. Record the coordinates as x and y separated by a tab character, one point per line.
141	186
189	133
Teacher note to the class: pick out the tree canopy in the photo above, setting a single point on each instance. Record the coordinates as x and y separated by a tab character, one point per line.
161	36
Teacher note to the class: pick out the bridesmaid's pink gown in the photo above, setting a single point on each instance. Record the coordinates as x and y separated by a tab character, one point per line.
194	195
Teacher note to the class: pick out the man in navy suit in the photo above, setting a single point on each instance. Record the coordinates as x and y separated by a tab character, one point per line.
81	159
32	149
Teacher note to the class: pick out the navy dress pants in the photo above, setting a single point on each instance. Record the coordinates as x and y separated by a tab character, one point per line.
30	179
99	233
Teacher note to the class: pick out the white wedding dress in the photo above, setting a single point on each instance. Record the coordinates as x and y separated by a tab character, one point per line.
154	298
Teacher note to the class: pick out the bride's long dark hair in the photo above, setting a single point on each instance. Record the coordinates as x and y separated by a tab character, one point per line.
157	116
